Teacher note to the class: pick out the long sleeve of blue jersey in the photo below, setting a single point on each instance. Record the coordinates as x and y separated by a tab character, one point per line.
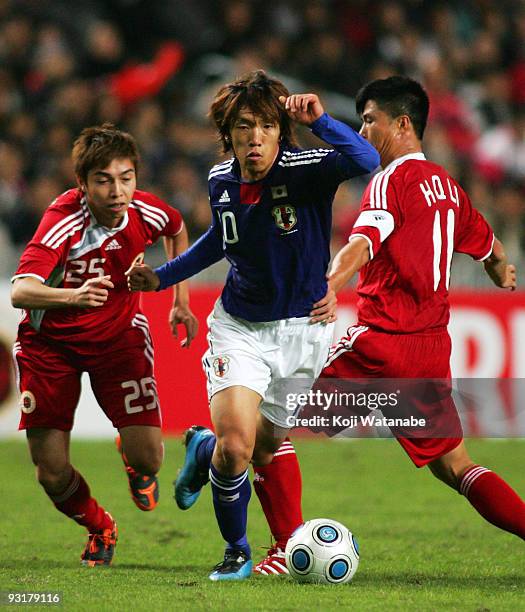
206	251
358	156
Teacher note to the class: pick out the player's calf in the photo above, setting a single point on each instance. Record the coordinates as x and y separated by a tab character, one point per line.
76	502
492	497
278	487
143	488
489	494
449	468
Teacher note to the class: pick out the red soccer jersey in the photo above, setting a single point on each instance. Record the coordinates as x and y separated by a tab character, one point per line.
70	247
414	216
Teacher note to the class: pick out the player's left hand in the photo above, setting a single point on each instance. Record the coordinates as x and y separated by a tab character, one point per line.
303	108
509	280
142	277
182	315
324	311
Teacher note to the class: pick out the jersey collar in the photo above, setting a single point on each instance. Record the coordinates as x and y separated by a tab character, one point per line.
404	158
109	231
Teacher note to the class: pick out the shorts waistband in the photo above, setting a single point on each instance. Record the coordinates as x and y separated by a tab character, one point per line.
282	322
434	331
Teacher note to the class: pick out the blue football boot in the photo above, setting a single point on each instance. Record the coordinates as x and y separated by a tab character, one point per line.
236	565
191	478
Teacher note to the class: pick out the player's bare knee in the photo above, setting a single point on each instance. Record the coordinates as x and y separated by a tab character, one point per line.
53	478
147	461
233	452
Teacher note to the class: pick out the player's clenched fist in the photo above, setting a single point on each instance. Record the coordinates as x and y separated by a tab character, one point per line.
94	292
303	108
141	277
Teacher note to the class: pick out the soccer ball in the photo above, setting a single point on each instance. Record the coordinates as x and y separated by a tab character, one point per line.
323	551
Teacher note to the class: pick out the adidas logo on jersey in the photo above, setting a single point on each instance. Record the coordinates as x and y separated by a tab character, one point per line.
113	245
225	197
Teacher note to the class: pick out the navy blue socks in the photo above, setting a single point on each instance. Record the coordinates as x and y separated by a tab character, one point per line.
230	500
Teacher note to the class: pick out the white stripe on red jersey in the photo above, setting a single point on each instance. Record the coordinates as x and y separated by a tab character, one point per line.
63	228
153	211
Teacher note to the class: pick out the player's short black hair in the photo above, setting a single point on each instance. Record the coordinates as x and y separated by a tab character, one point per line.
98	146
396	96
258	92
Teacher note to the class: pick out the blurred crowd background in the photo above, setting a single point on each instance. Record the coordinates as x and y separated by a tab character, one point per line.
152	66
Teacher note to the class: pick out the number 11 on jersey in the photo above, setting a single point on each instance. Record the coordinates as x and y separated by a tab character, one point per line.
439	250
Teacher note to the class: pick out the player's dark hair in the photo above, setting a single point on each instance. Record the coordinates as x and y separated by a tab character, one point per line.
260	94
98	146
396	96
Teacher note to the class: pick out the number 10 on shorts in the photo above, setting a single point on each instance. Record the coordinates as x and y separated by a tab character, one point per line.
145	389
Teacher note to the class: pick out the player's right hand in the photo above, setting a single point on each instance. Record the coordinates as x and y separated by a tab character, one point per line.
142	277
94	292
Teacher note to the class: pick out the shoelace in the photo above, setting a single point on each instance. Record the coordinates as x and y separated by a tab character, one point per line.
229	558
104	537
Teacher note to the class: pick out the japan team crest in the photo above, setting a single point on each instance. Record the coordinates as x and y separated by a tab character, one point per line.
285	216
221	365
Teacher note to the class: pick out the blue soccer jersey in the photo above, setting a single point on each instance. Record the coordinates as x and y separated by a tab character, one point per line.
275	232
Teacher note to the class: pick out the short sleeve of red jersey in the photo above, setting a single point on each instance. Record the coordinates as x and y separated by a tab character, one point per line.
379	214
47	248
160	218
474	236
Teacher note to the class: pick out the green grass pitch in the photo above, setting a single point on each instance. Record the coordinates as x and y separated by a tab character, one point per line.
422	546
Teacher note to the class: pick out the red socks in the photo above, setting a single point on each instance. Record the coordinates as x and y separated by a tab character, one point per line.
494	499
278	486
77	503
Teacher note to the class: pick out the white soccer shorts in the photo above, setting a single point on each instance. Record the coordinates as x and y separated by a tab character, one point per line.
273	359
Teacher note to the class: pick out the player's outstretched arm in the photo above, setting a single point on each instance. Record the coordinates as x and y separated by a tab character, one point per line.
30	293
498	268
349	260
180	313
206	251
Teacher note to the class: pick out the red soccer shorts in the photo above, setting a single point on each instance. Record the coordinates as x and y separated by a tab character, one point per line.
424	361
121	376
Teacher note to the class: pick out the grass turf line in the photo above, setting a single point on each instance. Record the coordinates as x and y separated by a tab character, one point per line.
422	546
